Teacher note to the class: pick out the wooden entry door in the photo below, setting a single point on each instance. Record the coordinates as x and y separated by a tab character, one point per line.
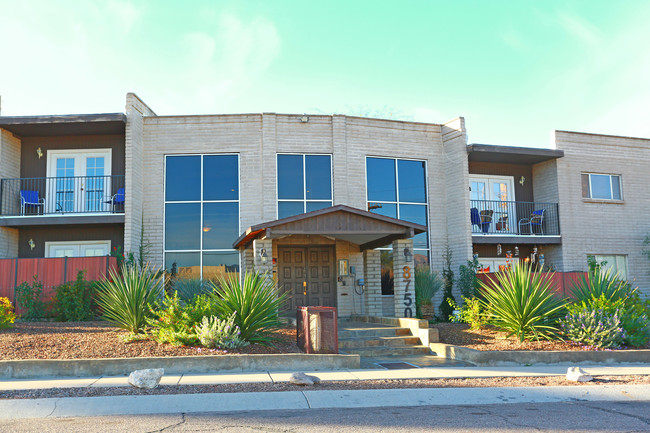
306	274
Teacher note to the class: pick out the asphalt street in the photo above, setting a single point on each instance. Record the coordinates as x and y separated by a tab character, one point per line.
526	417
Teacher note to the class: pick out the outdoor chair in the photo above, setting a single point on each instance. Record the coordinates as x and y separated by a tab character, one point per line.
30	199
536	220
116	199
486	219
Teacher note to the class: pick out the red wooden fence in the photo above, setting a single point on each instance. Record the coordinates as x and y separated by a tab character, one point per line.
562	281
50	272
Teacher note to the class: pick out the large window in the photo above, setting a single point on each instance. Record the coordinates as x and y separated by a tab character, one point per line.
601	186
616	263
398	188
201	215
304	183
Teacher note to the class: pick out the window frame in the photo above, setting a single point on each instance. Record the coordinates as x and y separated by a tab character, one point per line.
201	202
601	256
304	200
590	197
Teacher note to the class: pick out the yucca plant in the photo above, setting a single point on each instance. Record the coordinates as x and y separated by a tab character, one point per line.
599	282
256	302
520	302
125	296
189	288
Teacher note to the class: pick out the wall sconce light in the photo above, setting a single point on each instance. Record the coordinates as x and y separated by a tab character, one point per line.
408	255
31	244
498	249
475	256
516	251
522	180
263	257
39	152
304	118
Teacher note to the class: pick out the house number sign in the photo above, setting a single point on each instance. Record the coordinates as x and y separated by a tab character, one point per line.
408	300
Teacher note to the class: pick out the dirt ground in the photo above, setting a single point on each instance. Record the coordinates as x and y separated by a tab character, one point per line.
75	340
459	334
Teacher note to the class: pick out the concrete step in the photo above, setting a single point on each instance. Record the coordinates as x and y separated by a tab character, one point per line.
393	341
367	332
382	351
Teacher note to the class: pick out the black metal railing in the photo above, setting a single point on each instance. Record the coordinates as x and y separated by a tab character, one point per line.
495	217
62	195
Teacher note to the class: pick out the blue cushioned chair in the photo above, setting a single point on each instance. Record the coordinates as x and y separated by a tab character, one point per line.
116	199
30	199
536	220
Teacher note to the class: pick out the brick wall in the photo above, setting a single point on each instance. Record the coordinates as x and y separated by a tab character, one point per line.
10	148
545	189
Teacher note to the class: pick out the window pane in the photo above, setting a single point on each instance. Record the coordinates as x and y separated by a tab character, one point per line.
385	209
585	185
289	208
290	180
600	186
416	214
381	179
186	265
477	190
318	174
220	225
421	258
182	226
616	187
412	182
220	177
183	178
220	263
315	205
387	281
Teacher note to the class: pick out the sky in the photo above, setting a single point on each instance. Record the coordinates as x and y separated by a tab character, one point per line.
516	70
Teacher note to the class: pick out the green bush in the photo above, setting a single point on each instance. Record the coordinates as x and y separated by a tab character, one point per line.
448	282
472	312
520	302
7	316
28	299
74	301
125	296
593	327
215	333
467	281
189	288
256	301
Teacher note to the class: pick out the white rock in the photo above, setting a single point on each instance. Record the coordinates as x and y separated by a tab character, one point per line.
149	378
303	379
577	374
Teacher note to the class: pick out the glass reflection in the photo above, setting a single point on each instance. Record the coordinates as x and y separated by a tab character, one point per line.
220	177
183	265
380	174
387	278
415	213
289	208
385	209
182	226
316	205
318	177
220	225
412	181
290	177
219	264
183	178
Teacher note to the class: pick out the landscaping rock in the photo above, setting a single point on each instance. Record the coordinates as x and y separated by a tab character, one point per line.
303	379
149	378
577	374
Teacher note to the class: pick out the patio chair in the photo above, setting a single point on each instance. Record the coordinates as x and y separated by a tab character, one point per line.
116	199
486	220
536	220
30	199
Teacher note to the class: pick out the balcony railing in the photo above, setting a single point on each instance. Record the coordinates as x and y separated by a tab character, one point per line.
62	195
495	217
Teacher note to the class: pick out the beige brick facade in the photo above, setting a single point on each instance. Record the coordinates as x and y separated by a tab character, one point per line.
10	147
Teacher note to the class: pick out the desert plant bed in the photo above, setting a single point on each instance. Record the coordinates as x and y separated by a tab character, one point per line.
77	340
488	338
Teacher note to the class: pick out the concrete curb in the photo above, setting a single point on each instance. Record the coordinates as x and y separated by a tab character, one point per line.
25	369
525	357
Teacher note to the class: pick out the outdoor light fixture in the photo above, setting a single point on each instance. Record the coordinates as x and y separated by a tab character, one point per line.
408	255
263	257
475	256
516	251
39	152
522	180
304	118
31	243
498	249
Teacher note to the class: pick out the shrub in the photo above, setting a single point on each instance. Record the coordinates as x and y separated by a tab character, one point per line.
189	288
427	284
597	282
214	333
73	301
256	301
472	312
28	299
7	316
125	296
593	327
448	278
520	303
467	281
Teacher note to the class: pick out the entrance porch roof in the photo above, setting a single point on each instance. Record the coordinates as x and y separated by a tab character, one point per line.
366	229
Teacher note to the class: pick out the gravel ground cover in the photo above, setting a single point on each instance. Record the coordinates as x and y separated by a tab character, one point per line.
488	338
334	385
76	340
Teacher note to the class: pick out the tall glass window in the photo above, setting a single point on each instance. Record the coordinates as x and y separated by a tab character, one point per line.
397	188
201	215
304	183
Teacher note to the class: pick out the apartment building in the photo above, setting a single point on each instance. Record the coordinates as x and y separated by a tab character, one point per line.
339	209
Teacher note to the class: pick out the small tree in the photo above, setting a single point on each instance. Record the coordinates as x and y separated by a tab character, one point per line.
467	281
448	279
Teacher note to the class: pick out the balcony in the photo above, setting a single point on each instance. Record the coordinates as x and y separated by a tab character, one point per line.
68	200
535	222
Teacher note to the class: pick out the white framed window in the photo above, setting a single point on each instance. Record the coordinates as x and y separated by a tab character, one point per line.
77	249
304	183
601	186
616	263
495	264
201	214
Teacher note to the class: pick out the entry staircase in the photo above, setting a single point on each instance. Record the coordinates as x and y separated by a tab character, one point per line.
379	337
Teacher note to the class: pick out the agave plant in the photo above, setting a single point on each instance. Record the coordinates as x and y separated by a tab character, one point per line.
520	302
125	296
599	282
255	300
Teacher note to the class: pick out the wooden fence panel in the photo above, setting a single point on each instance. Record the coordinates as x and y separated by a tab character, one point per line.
562	282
